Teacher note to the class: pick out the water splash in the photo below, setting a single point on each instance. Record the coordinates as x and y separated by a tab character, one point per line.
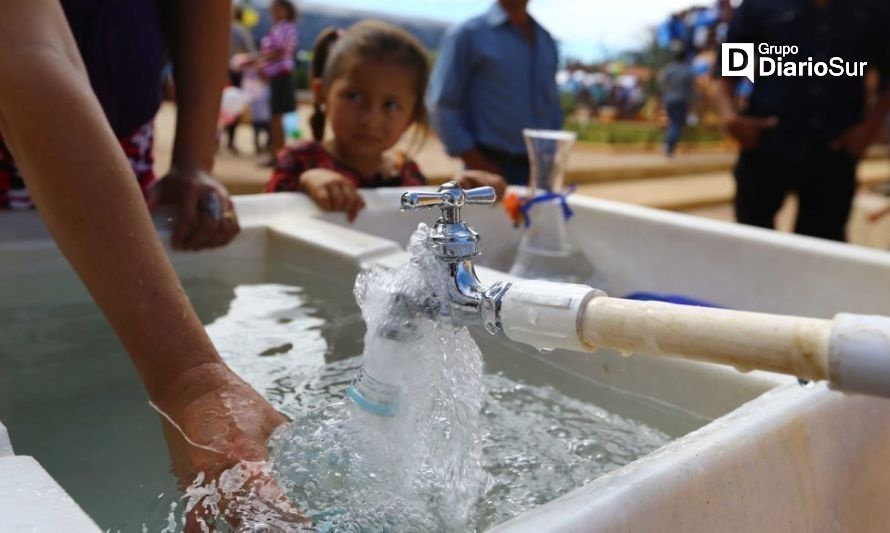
421	468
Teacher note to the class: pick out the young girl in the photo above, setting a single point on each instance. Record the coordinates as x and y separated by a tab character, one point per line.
369	81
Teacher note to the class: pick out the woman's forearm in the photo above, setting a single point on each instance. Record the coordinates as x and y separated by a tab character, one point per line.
86	193
199	43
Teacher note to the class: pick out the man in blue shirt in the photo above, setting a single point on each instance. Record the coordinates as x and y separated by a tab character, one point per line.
495	76
805	133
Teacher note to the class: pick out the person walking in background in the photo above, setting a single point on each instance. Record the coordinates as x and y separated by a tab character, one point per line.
677	83
276	63
495	76
806	133
240	43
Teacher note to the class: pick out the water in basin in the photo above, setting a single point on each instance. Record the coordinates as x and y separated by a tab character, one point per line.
71	399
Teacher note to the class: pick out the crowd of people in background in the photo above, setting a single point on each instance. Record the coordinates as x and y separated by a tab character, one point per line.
630	87
695	29
613	87
478	118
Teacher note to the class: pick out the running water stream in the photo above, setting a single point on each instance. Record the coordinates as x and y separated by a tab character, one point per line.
417	463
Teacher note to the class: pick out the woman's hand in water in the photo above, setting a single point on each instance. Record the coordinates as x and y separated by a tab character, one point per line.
332	192
205	215
217	428
469	179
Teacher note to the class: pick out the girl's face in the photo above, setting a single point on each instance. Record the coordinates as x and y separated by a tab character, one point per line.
370	106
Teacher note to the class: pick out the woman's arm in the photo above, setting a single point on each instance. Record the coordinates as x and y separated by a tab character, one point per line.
85	191
83	186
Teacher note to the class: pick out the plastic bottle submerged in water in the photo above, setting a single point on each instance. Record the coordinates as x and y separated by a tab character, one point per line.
373	395
546	250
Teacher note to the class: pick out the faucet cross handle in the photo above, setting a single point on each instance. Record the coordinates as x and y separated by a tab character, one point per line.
449	198
451	239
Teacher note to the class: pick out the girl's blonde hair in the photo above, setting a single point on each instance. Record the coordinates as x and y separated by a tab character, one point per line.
337	50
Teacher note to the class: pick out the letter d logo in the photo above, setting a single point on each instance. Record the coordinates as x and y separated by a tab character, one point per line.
738	60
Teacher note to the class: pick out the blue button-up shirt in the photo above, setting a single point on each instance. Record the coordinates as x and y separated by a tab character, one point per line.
490	82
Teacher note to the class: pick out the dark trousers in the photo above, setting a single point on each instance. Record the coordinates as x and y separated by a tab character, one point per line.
514	167
677	112
825	183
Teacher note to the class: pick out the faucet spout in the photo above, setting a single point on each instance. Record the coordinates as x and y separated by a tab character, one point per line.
471	303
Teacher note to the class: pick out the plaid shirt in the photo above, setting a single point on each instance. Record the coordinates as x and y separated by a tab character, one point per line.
137	148
294	160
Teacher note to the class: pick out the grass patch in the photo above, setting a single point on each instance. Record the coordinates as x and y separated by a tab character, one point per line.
639	133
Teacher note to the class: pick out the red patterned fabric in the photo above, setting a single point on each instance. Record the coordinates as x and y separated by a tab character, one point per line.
306	155
137	147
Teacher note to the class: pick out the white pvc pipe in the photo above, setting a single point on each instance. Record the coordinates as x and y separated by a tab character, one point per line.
859	354
546	314
851	351
748	341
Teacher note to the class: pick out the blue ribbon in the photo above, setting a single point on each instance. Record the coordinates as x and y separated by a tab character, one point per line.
548	196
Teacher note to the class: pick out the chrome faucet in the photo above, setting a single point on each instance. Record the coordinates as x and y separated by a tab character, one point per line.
456	243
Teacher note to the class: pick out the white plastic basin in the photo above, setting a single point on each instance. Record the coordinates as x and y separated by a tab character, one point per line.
771	455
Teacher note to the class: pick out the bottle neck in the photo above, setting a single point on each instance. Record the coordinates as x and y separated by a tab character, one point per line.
372	395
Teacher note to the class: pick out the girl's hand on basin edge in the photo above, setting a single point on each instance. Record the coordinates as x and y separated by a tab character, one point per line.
219	441
332	192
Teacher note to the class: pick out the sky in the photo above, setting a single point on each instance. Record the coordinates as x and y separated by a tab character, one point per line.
587	29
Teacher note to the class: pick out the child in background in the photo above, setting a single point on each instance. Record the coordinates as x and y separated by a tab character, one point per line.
240	43
260	110
369	81
258	96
